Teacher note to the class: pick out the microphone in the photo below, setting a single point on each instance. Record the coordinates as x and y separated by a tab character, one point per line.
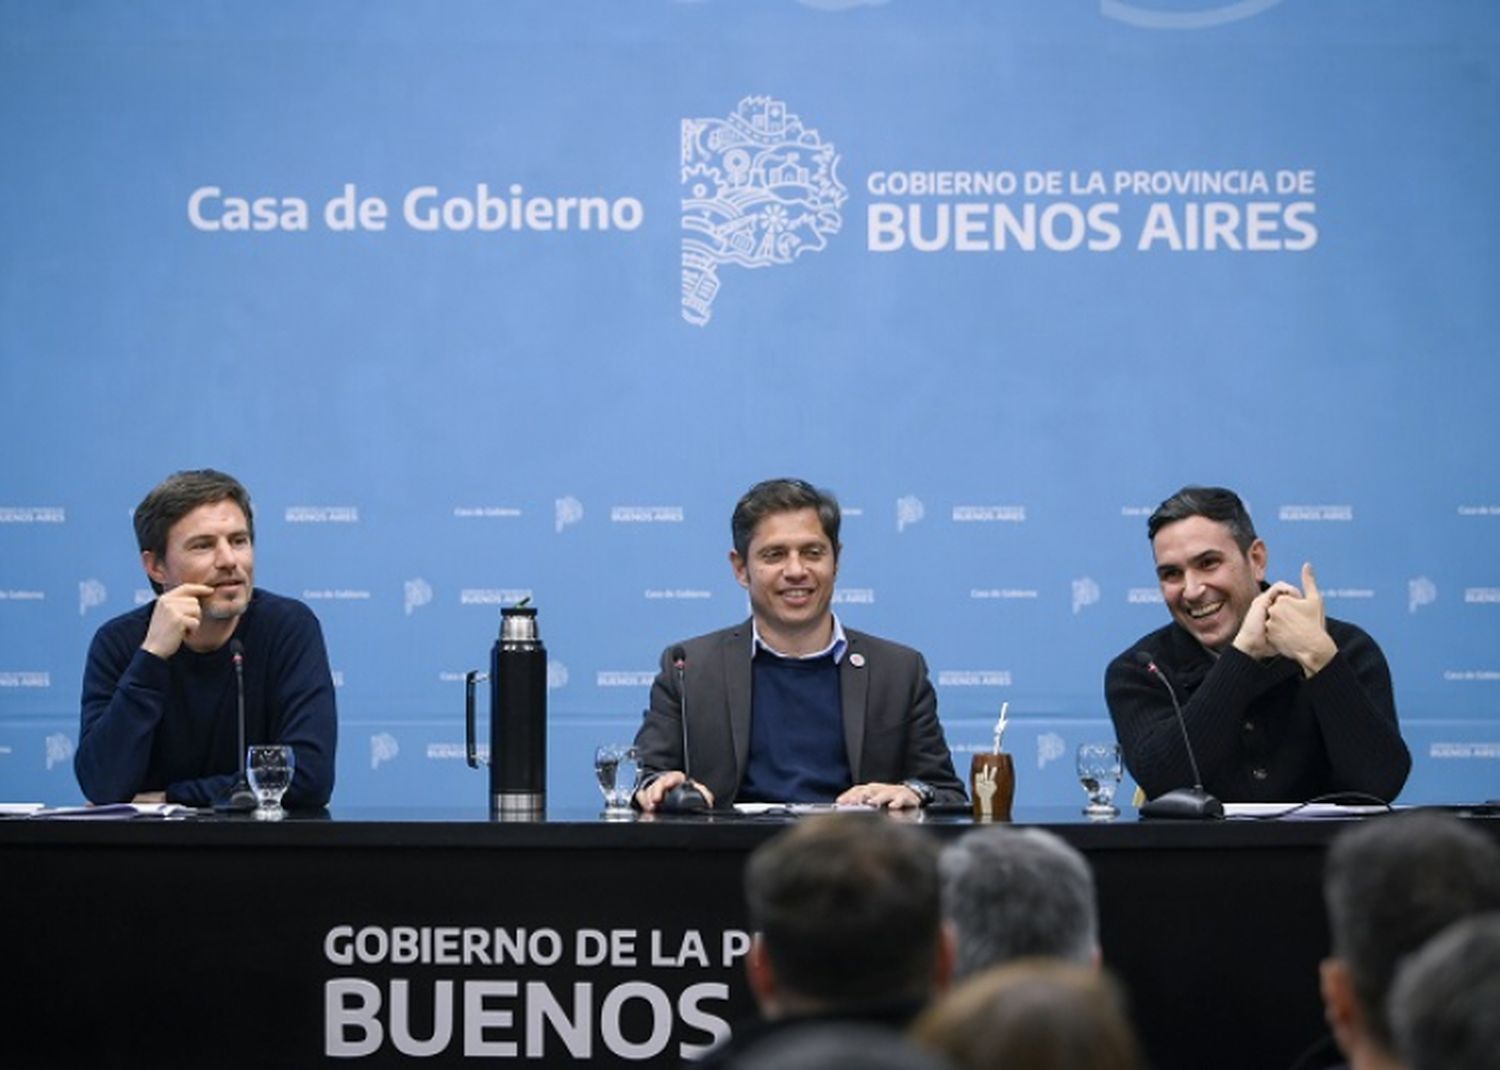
1191	802
241	800
685	798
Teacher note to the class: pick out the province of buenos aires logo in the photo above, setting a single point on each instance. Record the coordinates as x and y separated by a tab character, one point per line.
418	593
383	748
91	594
759	189
1085	593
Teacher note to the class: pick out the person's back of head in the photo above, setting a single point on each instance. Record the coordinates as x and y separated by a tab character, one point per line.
1390	884
1445	1005
846	911
1018	893
837	1046
1036	1014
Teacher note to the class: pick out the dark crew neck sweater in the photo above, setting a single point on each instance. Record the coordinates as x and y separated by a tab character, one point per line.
797	751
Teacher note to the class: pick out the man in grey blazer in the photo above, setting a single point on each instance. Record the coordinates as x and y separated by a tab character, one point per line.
790	706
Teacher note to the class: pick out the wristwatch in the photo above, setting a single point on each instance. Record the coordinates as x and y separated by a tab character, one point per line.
921	789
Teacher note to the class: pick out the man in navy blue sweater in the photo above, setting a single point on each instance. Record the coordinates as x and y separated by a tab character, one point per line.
159	718
791	706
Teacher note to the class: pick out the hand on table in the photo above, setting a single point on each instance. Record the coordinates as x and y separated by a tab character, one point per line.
889	796
650	797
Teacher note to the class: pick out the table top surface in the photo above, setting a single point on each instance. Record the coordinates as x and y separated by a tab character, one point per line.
458	827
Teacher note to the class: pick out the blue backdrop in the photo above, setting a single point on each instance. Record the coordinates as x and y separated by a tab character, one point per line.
491	299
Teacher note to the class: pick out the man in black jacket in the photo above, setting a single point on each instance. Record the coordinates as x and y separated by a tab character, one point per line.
1281	702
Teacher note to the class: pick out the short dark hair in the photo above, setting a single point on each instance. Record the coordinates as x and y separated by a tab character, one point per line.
1042	1014
848	908
782	496
1016	893
1394	882
177	496
1442	1006
1215	503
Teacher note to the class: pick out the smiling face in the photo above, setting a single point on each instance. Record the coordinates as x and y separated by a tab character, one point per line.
210	545
789	570
1208	582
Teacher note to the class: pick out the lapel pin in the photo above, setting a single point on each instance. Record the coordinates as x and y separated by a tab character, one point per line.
857	660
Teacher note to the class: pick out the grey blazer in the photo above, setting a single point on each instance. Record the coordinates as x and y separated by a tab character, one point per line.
891	728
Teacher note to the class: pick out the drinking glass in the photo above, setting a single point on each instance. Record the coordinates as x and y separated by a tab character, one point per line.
618	768
269	768
1100	770
992	784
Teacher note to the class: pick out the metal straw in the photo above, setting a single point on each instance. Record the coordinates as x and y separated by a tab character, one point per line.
1000	725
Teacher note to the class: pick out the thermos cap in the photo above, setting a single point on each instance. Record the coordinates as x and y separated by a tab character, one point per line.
518	624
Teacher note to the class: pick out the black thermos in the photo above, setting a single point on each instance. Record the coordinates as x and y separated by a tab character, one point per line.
518	717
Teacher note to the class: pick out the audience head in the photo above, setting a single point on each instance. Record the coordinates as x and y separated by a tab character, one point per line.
1391	884
846	911
1016	893
1445	1005
837	1046
1036	1014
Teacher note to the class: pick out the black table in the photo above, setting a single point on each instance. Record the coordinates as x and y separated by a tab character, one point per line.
410	938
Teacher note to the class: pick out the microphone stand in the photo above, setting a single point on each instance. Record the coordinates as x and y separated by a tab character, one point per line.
1189	803
240	800
687	797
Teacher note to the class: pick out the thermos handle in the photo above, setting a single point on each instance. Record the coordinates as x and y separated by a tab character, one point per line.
472	677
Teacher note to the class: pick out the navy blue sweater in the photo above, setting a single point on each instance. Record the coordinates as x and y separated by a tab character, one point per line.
797	750
153	724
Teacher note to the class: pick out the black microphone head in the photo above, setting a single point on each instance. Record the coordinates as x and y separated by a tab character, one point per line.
236	647
685	798
1144	659
1188	803
679	657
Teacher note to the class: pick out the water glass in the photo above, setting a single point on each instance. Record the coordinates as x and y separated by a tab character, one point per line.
618	769
269	768
1099	771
